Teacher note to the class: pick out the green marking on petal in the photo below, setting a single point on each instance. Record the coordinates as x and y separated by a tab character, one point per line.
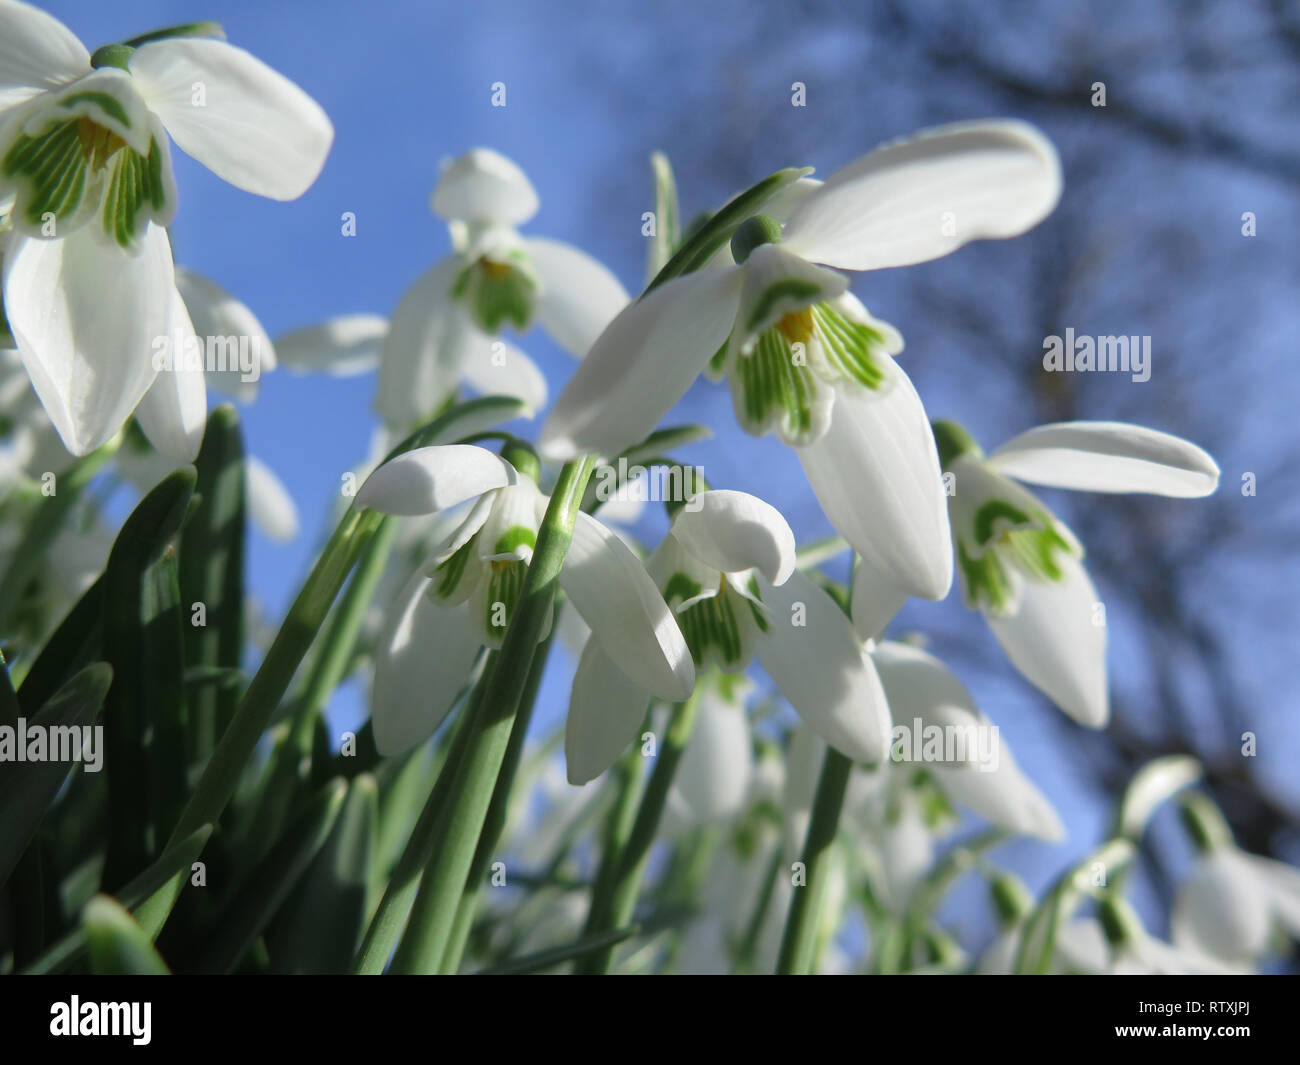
514	538
985	581
995	511
681	588
773	389
106	102
498	292
789	289
449	572
505	585
1037	551
713	632
57	169
850	348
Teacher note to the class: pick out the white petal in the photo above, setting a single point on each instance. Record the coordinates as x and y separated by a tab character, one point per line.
877	597
999	791
270	506
230	332
778	283
1057	639
822	669
921	198
642	364
606	708
174	412
37	52
484	186
498	368
610	588
253	127
919	686
430	479
876	474
1221	908
735	531
1281	883
426	348
579	297
713	779
86	318
341	347
1108	457
423	660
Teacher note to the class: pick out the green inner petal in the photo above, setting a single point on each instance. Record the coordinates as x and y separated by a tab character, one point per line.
789	289
713	632
449	572
771	391
505	585
498	292
515	537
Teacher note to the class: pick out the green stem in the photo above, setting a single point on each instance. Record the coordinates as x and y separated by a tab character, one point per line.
425	940
495	823
631	862
800	941
390	916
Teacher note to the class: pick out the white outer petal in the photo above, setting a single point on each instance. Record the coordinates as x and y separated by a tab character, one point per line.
734	531
610	588
174	412
216	313
423	660
498	368
424	353
893	206
86	317
713	779
429	479
484	186
606	707
1053	642
256	129
37	52
877	597
919	686
642	364
822	669
579	296
1281	883
1003	795
876	474
1108	457
345	346
1221	908
270	506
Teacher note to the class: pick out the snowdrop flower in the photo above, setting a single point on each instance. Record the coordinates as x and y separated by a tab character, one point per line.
804	358
1022	568
1230	904
466	597
714	780
88	278
447	325
727	569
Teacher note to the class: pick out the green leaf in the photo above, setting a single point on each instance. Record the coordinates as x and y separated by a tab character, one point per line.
320	924
150	897
142	643
548	959
212	576
700	246
72	646
264	892
118	945
667	233
28	788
